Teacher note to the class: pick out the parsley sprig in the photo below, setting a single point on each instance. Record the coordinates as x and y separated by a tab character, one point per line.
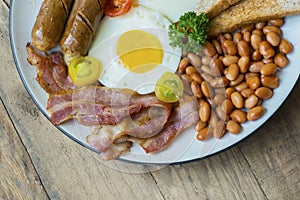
190	32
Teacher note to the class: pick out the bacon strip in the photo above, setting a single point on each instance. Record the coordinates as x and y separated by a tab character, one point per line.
113	115
94	105
152	137
102	137
143	125
91	113
116	150
52	71
101	95
184	116
108	143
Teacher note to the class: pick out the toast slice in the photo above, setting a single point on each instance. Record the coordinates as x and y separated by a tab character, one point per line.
251	11
214	7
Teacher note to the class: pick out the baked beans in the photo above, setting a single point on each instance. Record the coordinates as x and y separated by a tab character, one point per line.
234	74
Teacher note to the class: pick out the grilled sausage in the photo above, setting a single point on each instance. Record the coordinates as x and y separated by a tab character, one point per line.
81	28
50	23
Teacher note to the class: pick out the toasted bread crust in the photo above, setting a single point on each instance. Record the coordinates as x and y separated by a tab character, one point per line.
213	8
251	11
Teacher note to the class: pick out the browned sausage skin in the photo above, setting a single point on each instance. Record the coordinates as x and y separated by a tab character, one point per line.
81	27
50	23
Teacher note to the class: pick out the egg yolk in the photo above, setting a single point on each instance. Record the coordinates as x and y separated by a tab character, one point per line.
139	51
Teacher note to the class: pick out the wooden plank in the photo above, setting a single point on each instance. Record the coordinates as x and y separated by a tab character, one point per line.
66	169
223	176
18	178
274	154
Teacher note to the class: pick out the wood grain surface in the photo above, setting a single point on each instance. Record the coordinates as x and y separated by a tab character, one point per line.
39	162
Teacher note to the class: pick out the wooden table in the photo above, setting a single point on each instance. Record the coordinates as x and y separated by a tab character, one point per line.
39	162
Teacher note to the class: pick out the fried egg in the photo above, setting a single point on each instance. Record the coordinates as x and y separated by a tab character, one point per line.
134	48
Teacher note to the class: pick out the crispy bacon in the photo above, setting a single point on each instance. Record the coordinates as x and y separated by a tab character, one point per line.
109	143
183	117
113	115
116	150
60	75
51	70
94	105
152	137
101	95
91	114
143	125
102	137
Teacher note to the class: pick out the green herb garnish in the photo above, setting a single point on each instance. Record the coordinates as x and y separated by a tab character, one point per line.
190	32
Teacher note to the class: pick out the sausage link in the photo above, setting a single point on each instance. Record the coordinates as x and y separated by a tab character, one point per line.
50	23
81	28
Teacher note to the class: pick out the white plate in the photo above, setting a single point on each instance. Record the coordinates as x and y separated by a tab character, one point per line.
186	147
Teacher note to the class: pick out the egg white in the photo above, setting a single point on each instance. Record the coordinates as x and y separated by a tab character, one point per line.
115	75
172	9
